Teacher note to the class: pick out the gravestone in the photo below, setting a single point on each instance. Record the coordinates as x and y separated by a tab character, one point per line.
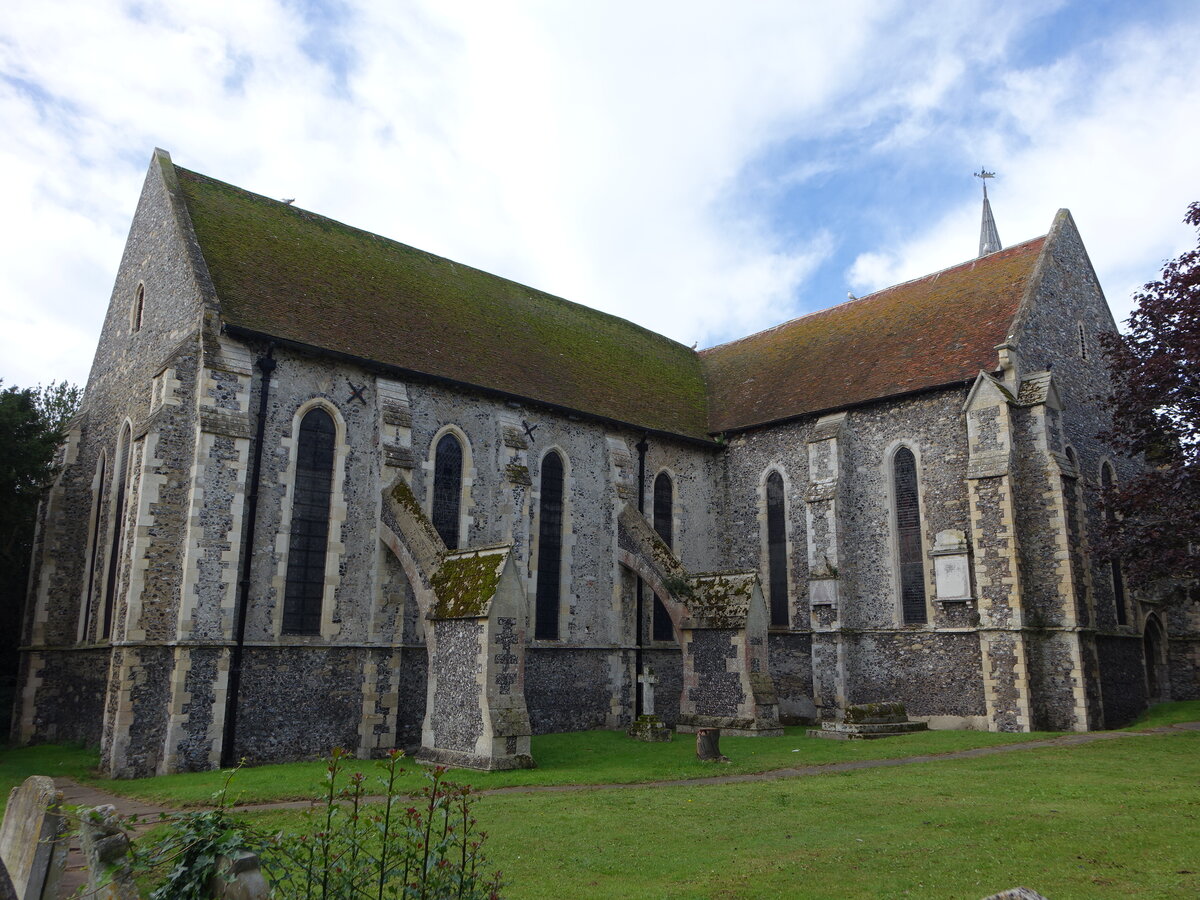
105	846
239	877
32	843
649	727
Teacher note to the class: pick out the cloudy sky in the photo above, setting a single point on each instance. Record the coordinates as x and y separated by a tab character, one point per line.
706	169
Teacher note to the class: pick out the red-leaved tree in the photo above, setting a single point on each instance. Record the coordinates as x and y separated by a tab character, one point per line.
1156	413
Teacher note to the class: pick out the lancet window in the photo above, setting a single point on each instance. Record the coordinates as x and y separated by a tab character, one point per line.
777	584
549	555
664	519
908	537
447	489
308	546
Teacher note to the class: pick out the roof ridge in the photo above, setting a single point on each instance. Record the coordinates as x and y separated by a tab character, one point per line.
891	287
308	213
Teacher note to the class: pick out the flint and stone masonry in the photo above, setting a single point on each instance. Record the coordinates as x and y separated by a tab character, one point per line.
522	505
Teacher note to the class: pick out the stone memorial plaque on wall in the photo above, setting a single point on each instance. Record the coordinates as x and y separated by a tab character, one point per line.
823	591
951	568
953	582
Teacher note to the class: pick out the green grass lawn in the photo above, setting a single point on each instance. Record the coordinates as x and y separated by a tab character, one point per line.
1118	818
588	757
1115	818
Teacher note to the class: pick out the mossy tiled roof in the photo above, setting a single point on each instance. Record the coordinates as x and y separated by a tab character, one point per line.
933	331
289	273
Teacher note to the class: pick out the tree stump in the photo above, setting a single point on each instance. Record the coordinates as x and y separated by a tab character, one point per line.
708	745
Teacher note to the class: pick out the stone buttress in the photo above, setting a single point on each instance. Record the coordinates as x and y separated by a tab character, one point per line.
822	510
997	567
722	620
1059	632
475	713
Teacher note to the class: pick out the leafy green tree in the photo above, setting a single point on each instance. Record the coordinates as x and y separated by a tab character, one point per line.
1155	526
32	425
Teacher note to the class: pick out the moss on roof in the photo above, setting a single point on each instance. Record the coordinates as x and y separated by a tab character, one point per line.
295	275
465	583
937	330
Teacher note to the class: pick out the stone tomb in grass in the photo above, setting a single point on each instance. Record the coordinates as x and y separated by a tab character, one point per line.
33	843
868	721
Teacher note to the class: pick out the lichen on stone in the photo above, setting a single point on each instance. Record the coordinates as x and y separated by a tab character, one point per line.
518	474
402	494
721	599
465	583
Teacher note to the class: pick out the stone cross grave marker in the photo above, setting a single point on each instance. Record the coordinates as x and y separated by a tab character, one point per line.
32	839
648	680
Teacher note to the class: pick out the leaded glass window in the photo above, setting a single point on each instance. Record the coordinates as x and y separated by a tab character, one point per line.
664	515
908	537
549	560
117	528
776	551
309	542
447	489
1107	481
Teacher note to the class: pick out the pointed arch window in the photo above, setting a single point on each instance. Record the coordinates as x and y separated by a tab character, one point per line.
92	585
116	528
1107	481
908	537
447	489
777	585
664	524
309	542
549	559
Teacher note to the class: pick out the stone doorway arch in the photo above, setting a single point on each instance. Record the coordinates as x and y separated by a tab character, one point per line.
1154	652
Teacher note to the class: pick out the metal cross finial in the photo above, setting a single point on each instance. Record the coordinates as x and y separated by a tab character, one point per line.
983	175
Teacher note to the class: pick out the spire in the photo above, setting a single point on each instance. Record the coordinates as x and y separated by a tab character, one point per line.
989	237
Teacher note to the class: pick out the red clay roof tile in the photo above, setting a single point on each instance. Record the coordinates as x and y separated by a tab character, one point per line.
933	331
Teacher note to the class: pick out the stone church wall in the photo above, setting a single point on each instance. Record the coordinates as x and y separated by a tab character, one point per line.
935	673
143	376
571	683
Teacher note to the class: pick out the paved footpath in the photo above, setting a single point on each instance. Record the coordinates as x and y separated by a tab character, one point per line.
75	794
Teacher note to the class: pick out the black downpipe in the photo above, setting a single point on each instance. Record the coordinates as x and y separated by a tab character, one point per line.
266	365
642	447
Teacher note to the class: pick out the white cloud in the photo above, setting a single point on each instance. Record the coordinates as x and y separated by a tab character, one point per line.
1107	131
598	151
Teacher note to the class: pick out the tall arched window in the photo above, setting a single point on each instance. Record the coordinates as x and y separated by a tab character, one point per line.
776	551
92	586
549	559
309	543
447	488
1107	482
664	519
908	537
116	528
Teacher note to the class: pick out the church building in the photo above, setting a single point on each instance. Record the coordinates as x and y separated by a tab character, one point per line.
326	489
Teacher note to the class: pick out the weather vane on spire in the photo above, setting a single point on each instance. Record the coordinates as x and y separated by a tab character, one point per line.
983	175
989	238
